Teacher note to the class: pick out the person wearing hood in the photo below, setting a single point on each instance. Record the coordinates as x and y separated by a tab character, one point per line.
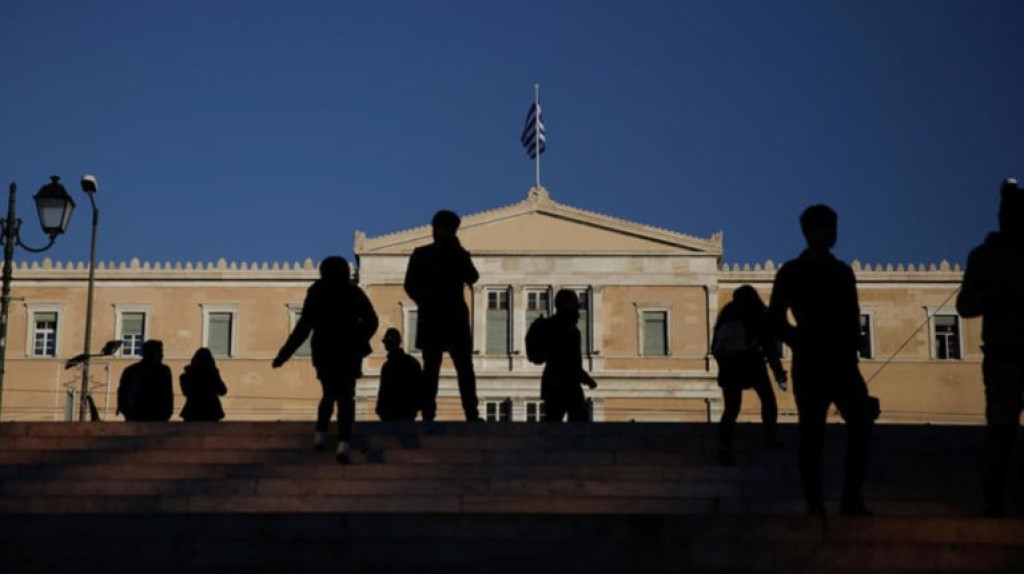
993	289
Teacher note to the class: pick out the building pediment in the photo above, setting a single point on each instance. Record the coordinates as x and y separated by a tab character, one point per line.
542	226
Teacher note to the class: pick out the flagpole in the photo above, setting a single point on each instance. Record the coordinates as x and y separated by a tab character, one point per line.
536	126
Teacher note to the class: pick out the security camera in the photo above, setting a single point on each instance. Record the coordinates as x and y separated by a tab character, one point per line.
89	184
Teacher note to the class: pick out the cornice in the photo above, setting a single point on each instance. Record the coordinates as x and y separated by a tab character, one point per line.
538	200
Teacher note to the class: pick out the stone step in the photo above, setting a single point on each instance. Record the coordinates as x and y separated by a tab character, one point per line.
356	542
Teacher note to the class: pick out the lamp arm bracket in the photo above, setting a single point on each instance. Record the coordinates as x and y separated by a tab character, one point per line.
18	241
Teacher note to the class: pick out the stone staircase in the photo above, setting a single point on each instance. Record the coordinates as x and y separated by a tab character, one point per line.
492	497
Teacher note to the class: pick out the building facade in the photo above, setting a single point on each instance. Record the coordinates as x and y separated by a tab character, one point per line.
649	298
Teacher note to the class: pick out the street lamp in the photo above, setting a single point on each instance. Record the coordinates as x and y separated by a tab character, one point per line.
54	206
90	187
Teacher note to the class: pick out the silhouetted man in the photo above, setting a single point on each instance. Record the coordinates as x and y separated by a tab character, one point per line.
401	382
342	321
821	292
561	383
436	279
993	288
146	389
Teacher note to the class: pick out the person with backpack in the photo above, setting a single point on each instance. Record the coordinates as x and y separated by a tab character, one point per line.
563	376
342	320
742	344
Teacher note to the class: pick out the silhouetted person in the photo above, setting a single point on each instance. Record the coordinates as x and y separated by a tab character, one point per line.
202	386
401	382
821	292
436	279
561	383
743	341
146	392
342	321
993	288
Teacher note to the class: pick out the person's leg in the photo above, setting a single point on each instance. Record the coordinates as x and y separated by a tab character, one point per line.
431	373
554	409
329	396
769	408
732	397
579	410
1002	414
462	357
812	411
859	411
346	408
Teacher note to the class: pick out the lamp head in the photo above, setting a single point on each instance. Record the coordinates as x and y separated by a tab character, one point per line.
89	184
54	206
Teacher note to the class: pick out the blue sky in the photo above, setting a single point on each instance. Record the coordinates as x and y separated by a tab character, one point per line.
270	131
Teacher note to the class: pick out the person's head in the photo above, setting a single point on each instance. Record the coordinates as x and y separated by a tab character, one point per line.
567	304
203	359
1011	207
819	224
445	223
392	340
153	351
747	298
335	268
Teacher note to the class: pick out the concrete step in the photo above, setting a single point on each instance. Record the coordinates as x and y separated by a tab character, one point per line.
357	542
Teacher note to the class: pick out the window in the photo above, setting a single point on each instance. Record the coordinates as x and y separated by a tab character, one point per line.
538	302
498	322
412	315
866	346
44	334
133	332
498	411
534	411
219	333
304	349
947	336
654	325
584	323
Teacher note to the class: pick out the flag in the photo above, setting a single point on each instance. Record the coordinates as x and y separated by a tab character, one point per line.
533	132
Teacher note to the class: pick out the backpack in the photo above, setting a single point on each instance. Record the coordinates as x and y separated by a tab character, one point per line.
732	338
538	340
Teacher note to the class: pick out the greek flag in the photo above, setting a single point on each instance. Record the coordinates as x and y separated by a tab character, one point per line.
533	132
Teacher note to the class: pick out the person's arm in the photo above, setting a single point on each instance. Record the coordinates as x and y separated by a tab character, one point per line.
770	348
469	273
778	305
414	277
975	291
301	331
368	319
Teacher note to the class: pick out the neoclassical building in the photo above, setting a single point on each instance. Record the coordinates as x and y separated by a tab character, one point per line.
649	297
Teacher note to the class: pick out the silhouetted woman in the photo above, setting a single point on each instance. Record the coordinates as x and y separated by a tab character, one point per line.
742	343
202	386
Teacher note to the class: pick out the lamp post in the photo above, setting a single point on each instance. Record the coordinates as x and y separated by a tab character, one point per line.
90	187
54	206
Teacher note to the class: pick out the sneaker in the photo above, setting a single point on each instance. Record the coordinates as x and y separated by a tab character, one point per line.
344	449
319	440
